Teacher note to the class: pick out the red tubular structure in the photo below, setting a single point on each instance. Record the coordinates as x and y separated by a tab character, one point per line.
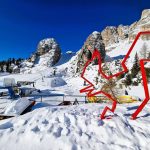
90	89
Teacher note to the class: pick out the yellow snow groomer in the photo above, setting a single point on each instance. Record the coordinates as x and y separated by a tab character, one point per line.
121	99
97	99
127	99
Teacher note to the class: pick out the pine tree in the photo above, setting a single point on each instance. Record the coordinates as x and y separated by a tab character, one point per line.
13	60
143	51
1	67
95	61
9	61
102	51
148	57
148	74
96	80
136	67
88	54
121	76
7	66
128	80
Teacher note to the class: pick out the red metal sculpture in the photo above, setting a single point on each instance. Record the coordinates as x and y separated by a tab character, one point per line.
90	89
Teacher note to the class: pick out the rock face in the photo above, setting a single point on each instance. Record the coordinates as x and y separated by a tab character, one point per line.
49	49
48	53
145	13
94	41
112	35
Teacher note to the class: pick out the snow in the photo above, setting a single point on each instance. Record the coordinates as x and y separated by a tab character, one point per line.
49	126
4	102
123	47
48	41
95	34
76	127
65	58
137	91
72	127
69	52
56	82
17	107
9	82
147	65
22	77
3	74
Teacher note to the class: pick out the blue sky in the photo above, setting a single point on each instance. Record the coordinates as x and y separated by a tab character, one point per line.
23	23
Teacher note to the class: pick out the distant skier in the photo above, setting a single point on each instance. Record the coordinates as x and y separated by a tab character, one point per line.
126	92
54	73
76	102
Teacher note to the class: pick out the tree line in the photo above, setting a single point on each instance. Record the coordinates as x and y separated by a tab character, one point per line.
10	65
133	76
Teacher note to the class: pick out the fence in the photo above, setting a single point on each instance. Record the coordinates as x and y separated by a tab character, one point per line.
61	98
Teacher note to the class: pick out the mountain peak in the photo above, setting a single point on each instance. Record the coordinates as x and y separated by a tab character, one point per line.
145	13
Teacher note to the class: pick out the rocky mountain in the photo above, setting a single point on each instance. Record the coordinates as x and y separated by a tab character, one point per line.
112	37
47	47
48	53
109	41
94	41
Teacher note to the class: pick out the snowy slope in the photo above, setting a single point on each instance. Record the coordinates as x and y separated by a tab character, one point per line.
65	57
123	47
76	128
42	65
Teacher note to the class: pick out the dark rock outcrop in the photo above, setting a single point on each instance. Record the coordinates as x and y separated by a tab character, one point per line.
49	49
94	41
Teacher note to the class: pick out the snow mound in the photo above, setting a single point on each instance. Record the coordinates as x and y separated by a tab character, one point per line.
69	52
56	82
76	128
17	107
